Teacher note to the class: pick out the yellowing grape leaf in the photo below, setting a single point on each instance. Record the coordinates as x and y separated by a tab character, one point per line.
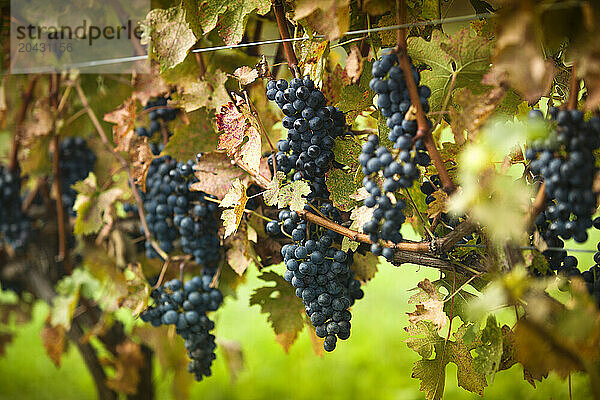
429	307
169	36
364	267
236	198
271	193
138	289
359	216
245	75
239	254
357	98
284	309
240	133
292	195
344	182
330	17
208	92
438	206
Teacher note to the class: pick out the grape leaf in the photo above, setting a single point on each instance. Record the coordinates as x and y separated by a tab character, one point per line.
237	254
343	183
429	307
192	135
432	371
364	267
354	64
271	193
208	92
94	207
463	58
53	339
357	98
236	198
245	75
240	135
489	352
229	17
138	289
233	355
438	206
359	216
331	18
169	36
284	309
148	86
292	195
215	172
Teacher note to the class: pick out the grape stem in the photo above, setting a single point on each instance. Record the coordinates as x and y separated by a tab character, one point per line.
124	164
60	209
288	47
537	207
27	97
423	130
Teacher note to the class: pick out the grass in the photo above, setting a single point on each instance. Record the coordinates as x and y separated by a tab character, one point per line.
373	363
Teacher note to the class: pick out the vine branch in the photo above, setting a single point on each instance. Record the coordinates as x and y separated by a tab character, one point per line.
124	164
27	97
423	128
288	47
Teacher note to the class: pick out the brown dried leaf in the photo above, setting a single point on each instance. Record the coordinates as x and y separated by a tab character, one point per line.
215	172
53	339
474	111
233	355
127	366
429	307
245	75
147	86
354	64
238	255
331	17
438	206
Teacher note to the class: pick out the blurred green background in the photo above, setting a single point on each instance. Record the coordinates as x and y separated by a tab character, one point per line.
374	363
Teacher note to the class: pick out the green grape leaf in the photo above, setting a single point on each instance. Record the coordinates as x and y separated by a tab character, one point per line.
284	309
489	352
343	183
169	36
235	198
192	135
459	305
357	98
229	17
462	58
425	340
209	92
429	307
364	266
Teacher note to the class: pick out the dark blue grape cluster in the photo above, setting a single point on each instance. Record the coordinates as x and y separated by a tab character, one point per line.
566	162
393	100
77	160
157	148
159	114
320	273
177	215
388	215
15	226
312	127
185	306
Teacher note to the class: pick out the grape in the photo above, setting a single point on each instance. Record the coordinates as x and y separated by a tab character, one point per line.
15	226
190	320
175	213
566	163
306	153
320	273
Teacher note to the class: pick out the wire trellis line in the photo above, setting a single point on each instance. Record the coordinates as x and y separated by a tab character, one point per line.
112	61
533	248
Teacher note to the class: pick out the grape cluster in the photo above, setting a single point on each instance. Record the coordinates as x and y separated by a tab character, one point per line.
185	306
320	273
312	127
177	215
159	115
393	100
76	162
15	226
566	162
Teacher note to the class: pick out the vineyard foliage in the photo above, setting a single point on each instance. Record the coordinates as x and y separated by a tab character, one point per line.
135	204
